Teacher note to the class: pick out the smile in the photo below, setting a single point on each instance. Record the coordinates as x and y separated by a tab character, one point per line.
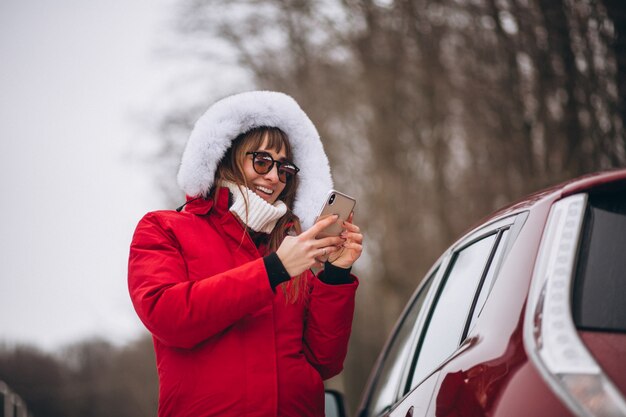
264	190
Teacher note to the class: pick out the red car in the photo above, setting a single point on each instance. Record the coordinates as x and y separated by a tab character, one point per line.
525	315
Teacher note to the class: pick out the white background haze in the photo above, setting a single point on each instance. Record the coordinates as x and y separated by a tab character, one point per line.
76	79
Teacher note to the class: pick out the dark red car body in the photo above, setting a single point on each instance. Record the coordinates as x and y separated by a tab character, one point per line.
520	352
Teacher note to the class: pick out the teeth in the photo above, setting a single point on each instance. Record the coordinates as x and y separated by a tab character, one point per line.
265	190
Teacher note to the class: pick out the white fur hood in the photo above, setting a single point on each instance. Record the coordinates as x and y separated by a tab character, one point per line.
214	132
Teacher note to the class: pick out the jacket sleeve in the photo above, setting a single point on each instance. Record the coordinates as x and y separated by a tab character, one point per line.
328	325
177	311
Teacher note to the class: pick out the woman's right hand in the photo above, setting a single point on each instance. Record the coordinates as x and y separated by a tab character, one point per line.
299	253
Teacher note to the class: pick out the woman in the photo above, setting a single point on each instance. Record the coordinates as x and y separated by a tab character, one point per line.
241	327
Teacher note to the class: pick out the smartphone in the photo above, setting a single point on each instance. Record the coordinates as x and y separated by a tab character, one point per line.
335	203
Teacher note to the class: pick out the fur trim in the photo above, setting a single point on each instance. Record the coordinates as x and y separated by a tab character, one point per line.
214	132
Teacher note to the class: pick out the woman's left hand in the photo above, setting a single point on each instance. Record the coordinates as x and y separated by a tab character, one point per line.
351	248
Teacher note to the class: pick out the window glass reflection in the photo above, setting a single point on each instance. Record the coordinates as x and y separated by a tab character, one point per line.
451	311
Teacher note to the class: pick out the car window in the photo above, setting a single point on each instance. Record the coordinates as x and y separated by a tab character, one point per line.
384	392
600	284
487	283
448	319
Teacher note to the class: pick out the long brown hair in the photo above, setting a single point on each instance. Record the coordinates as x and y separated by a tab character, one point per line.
230	169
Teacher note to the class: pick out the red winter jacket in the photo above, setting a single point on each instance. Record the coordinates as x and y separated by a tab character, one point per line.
226	344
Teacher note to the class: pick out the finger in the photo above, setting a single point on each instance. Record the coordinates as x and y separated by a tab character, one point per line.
350	232
350	217
329	241
353	237
326	251
323	252
351	227
332	249
319	226
354	246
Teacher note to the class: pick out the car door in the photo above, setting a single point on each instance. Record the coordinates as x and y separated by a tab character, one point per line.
458	296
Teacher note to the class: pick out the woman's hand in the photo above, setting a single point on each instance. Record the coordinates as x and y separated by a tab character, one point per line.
299	253
351	248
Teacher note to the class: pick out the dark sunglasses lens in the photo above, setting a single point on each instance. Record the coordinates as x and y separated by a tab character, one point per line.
286	172
263	163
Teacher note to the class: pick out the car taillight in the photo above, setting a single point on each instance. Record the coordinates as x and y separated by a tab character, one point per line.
550	336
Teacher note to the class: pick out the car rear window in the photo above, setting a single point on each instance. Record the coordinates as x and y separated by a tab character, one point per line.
600	282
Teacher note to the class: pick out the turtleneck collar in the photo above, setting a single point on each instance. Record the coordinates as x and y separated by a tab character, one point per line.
252	210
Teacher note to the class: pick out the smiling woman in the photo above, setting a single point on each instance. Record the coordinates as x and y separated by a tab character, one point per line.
241	326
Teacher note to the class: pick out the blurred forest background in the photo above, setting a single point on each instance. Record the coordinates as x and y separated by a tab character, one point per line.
433	113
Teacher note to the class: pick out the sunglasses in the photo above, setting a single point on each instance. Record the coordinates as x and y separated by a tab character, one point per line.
262	162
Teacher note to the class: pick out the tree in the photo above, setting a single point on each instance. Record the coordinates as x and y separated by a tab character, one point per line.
90	378
37	377
433	112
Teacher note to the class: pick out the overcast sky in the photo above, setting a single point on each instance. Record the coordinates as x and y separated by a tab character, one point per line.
74	76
